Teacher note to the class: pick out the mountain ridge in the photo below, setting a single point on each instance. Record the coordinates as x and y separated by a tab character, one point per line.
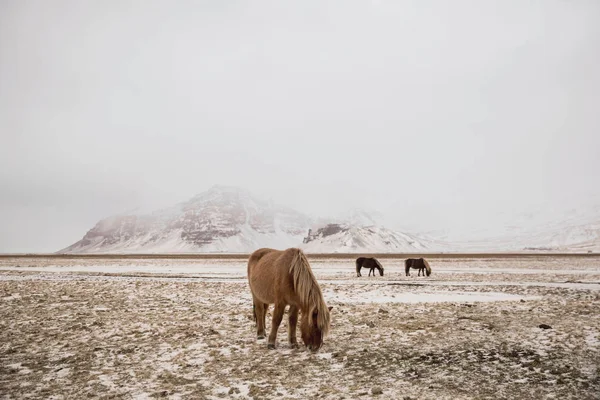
218	220
227	219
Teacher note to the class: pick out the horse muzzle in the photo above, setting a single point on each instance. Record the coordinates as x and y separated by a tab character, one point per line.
314	347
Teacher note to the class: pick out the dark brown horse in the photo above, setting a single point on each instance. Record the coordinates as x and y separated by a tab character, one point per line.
417	263
285	278
371	263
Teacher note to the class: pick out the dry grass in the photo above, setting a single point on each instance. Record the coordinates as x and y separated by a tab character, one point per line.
68	335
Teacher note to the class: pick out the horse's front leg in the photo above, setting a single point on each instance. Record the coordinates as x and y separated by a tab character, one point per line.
293	322
275	322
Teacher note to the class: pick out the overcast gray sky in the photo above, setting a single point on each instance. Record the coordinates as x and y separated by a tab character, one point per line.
437	113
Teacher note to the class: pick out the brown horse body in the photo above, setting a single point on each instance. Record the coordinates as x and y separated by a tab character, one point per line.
285	278
371	263
417	263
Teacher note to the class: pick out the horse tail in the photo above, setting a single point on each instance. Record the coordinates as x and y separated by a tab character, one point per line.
358	265
307	288
427	267
407	265
252	261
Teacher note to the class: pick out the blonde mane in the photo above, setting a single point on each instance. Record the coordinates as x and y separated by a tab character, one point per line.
307	288
427	267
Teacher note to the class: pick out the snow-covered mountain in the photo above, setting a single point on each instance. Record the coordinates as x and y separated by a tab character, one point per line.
348	238
222	219
232	220
577	230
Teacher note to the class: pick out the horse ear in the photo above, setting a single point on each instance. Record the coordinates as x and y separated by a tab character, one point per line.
330	308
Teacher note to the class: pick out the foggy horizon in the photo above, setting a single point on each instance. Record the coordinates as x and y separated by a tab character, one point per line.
439	116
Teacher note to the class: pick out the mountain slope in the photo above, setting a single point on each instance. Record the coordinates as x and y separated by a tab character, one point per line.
226	219
223	219
577	231
347	238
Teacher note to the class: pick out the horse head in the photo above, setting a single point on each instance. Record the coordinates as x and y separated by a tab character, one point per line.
313	327
427	267
378	266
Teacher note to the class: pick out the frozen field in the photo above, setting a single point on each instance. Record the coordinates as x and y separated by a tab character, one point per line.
182	328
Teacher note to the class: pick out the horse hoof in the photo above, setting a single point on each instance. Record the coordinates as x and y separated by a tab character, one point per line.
260	337
294	346
271	346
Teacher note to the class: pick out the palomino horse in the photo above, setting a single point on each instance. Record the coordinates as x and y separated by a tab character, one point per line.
417	263
371	263
285	278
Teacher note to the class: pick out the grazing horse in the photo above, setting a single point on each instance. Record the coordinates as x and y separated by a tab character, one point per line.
285	278
371	263
417	263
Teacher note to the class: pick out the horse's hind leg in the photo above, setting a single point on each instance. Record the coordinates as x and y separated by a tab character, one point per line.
260	313
293	323
263	320
276	321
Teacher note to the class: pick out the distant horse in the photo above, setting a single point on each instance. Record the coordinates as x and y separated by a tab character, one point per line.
371	263
417	263
285	278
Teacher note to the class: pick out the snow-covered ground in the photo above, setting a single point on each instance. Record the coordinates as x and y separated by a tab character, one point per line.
182	328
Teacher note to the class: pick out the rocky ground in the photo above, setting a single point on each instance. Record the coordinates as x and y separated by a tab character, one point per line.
475	329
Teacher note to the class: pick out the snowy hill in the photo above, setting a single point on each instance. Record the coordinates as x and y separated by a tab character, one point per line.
573	231
231	220
222	219
578	230
347	238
